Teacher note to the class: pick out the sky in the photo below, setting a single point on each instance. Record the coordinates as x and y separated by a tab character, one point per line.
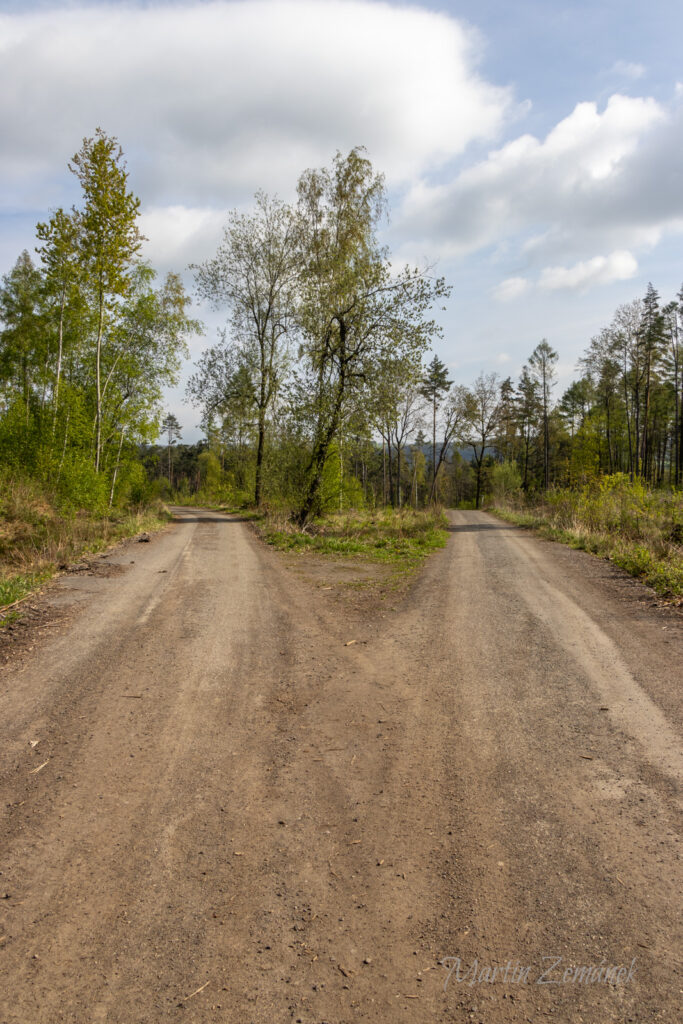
533	152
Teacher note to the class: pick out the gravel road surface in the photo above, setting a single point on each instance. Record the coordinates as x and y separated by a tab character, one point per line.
231	794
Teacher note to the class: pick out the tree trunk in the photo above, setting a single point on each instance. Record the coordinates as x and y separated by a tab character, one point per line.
398	475
116	470
479	465
319	456
259	459
98	415
390	459
59	364
434	451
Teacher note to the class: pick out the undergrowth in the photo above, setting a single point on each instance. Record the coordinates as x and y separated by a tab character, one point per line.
639	530
37	537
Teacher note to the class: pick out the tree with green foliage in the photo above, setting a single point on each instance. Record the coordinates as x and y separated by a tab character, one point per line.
602	371
507	435
223	388
23	352
528	411
87	342
109	243
673	370
652	343
173	431
351	308
394	412
253	274
481	422
62	278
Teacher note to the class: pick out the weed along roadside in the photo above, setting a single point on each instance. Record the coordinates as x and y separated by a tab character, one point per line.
638	529
39	538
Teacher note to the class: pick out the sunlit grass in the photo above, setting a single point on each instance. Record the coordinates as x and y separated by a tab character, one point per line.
403	537
639	530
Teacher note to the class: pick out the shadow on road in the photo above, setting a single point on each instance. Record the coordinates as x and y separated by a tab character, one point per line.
179	516
477	527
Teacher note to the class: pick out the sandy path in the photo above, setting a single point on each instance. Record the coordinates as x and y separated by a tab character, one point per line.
234	797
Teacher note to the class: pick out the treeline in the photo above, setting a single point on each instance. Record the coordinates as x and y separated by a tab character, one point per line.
622	415
405	433
320	393
87	343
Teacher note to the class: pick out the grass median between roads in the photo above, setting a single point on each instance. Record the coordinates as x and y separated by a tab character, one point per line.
36	538
398	538
639	530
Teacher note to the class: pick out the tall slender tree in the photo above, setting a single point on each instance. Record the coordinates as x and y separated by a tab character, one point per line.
434	388
62	269
173	431
528	413
109	243
542	369
253	274
651	343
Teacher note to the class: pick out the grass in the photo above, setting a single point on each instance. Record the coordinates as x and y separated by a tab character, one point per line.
401	538
640	531
36	538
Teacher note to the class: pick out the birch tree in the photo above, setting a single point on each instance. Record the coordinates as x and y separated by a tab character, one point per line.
109	243
253	275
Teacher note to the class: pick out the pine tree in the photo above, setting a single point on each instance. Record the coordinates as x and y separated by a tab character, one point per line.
434	388
652	342
172	429
542	368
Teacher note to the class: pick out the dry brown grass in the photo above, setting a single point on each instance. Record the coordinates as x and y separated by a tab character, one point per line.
36	538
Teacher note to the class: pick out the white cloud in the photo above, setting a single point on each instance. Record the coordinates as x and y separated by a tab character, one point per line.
178	235
510	288
627	69
598	180
599	270
618	266
214	100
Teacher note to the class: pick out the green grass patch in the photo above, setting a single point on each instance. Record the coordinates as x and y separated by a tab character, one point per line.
402	538
16	588
641	531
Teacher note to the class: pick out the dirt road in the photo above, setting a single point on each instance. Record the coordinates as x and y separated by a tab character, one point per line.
234	814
